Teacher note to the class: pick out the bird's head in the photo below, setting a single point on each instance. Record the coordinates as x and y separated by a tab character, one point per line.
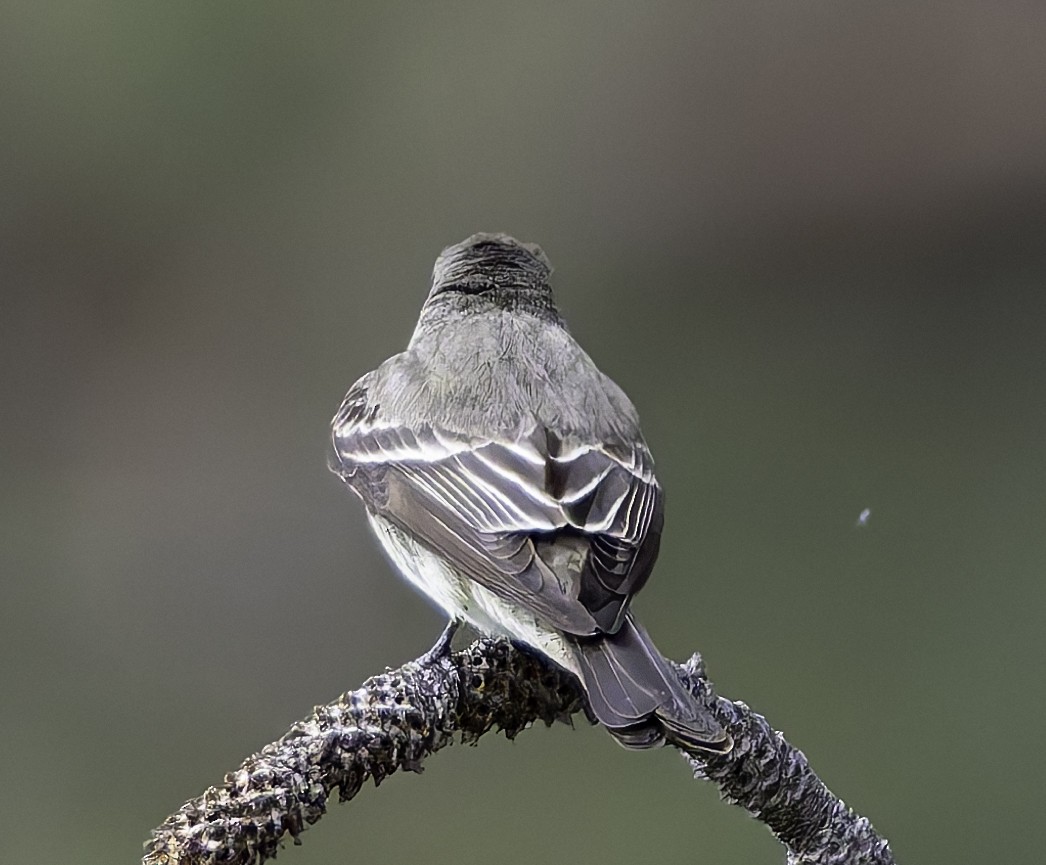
497	266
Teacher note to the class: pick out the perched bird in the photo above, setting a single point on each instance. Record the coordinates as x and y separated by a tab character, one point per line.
507	478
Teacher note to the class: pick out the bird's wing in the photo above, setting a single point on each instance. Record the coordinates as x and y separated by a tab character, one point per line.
568	531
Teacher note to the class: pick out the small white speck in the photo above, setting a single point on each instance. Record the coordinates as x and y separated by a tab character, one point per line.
863	517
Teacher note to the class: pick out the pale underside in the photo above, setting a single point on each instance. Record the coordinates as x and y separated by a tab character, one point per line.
464	599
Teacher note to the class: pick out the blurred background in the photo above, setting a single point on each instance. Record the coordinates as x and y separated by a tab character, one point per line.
807	239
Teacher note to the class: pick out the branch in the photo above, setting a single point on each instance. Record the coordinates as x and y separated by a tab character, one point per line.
399	718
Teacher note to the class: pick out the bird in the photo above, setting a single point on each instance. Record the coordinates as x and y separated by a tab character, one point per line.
507	478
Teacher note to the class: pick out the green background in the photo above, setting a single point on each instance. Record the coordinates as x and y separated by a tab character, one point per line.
806	238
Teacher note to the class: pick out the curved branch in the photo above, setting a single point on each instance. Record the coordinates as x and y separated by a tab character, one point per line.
396	720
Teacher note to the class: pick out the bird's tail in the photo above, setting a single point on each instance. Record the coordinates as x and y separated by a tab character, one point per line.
637	696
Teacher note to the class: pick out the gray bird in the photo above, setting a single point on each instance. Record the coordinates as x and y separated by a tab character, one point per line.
508	479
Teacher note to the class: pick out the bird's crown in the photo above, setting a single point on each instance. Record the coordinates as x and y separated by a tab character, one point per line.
487	262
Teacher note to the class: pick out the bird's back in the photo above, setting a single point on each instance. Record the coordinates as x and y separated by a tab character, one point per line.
499	372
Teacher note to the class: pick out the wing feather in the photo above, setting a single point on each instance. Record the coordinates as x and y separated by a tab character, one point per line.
569	530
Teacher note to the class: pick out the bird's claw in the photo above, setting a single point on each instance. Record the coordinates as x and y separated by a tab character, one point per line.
441	648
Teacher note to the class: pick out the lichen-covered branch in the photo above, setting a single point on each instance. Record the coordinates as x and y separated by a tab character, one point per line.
393	722
773	782
396	720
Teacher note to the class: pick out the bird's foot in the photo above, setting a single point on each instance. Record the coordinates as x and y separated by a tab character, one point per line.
441	648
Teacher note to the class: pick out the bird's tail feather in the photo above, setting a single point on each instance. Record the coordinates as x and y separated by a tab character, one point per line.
637	696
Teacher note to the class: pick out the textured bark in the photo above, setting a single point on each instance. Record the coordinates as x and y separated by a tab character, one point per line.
396	720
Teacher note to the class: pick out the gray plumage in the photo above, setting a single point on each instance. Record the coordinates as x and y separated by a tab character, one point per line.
508	478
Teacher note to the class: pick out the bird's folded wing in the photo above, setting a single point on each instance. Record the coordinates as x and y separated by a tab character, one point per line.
566	530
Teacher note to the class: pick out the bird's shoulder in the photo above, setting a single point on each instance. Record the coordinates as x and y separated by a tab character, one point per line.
493	378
